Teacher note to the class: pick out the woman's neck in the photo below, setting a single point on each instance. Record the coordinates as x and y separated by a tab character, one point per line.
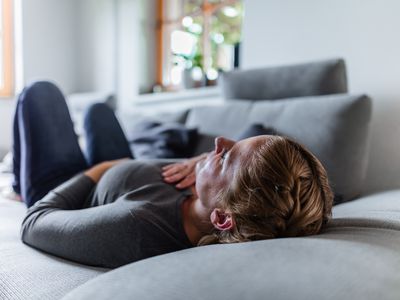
196	219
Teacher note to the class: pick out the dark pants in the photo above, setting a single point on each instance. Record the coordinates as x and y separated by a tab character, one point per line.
46	150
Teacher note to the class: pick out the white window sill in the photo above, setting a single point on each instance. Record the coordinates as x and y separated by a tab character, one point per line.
203	93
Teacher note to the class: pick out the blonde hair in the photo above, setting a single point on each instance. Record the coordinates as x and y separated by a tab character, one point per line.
283	191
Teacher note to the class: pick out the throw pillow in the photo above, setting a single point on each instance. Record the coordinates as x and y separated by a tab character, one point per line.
157	140
255	130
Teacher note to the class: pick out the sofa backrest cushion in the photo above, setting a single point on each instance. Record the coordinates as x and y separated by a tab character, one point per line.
309	79
206	142
334	127
228	120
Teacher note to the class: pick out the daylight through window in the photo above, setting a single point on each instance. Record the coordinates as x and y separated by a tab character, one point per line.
197	40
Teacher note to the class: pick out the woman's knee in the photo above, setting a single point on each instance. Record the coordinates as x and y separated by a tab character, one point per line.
98	111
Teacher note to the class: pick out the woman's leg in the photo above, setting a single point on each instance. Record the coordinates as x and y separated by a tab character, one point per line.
105	139
49	149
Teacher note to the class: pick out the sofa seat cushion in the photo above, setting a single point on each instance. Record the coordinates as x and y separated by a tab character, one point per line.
348	261
26	273
380	210
381	202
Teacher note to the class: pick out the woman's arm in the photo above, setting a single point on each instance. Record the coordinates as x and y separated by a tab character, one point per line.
182	173
73	193
97	171
57	224
101	236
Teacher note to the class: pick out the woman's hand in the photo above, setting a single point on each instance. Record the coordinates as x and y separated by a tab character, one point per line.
97	171
182	173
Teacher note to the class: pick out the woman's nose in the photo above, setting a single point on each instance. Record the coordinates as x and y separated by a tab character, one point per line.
223	144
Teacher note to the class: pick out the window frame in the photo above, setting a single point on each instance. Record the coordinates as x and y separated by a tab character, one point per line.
7	90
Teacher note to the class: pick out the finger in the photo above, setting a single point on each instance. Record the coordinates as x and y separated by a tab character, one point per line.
170	171
174	178
168	166
176	169
187	182
180	175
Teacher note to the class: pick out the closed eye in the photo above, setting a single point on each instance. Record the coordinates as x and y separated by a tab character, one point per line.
223	155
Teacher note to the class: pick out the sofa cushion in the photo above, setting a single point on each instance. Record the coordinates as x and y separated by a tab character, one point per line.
228	120
26	273
309	79
334	127
349	260
255	130
382	205
205	142
131	121
157	140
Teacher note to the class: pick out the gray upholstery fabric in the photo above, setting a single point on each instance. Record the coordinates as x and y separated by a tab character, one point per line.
383	202
227	120
309	79
334	127
205	143
130	120
26	273
350	260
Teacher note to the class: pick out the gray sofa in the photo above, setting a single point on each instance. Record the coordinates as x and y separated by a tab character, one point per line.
357	256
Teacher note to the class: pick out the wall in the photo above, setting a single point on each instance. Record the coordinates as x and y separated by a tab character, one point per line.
364	32
135	49
49	39
127	53
95	66
147	45
71	42
6	114
48	32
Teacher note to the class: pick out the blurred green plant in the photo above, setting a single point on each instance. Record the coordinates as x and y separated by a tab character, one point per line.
222	24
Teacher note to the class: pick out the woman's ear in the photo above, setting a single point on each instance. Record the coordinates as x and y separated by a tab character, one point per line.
222	220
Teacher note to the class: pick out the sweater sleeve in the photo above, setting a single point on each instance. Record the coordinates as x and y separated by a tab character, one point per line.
58	225
70	195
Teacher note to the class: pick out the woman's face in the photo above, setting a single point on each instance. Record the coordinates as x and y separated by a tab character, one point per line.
218	170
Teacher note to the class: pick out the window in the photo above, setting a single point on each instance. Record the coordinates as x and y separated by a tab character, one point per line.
197	39
6	57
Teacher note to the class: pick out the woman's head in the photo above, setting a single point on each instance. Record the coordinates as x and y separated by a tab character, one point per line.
263	187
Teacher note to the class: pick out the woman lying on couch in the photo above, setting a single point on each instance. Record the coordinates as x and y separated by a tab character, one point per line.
120	210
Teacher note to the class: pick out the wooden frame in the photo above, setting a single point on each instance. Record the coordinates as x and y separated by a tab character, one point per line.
159	34
7	39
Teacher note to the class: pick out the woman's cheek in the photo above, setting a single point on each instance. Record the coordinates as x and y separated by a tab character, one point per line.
199	167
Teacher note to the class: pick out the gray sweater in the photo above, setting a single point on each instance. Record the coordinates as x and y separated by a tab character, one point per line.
131	214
